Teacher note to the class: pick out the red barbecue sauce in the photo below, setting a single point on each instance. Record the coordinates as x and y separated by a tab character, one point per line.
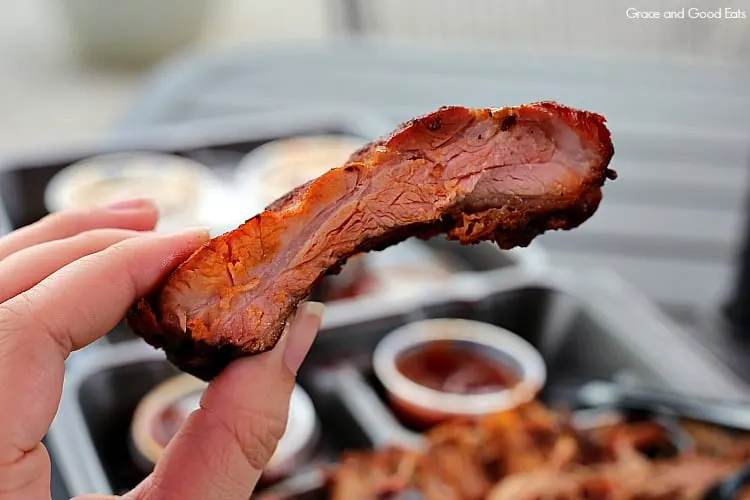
170	419
167	425
447	367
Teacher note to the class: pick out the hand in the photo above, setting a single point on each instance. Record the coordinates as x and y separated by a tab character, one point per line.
69	279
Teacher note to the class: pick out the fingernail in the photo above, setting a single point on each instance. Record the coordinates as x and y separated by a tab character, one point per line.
302	333
201	233
130	204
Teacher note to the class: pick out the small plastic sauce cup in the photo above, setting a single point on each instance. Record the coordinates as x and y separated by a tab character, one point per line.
186	192
161	413
440	369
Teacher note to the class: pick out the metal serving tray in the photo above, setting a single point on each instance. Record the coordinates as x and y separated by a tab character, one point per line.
585	325
216	143
220	144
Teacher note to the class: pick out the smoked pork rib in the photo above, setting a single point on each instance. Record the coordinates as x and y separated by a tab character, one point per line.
505	175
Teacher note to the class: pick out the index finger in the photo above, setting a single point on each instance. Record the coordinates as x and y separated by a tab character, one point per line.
138	215
64	312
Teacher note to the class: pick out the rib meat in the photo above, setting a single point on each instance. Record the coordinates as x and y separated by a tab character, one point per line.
505	175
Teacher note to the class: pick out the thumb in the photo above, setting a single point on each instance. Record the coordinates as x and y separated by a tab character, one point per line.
221	450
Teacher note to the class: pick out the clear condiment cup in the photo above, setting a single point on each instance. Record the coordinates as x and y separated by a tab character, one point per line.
424	404
160	414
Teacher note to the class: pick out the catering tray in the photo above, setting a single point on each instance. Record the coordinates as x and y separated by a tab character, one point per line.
585	326
220	144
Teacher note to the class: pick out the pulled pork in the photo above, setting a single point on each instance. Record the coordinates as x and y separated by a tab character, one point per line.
535	454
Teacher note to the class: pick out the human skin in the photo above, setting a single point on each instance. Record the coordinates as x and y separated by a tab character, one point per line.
69	279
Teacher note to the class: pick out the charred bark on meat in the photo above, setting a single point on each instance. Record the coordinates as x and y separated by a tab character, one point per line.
503	175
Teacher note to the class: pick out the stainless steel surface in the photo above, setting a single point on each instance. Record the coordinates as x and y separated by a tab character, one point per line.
737	307
713	411
586	326
378	423
710	327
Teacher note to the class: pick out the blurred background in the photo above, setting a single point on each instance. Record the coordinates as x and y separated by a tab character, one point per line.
49	95
662	269
674	92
